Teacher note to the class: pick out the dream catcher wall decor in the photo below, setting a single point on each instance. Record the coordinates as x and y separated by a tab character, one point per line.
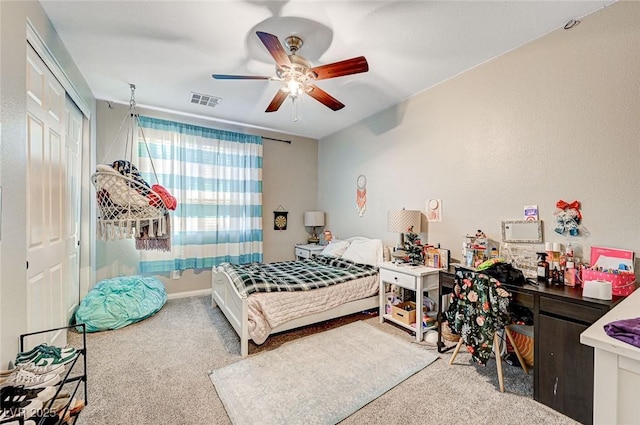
361	194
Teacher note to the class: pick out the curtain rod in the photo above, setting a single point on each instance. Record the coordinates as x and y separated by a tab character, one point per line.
276	140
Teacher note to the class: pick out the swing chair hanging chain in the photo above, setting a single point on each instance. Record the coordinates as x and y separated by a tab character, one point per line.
132	123
136	119
132	102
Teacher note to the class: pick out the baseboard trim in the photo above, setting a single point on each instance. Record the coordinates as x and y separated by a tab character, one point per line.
187	294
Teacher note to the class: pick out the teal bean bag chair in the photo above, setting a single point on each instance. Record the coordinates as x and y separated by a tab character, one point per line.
120	301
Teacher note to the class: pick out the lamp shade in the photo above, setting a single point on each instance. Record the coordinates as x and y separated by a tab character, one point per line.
313	218
400	221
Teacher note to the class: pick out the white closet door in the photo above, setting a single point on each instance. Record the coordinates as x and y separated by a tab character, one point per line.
73	152
47	270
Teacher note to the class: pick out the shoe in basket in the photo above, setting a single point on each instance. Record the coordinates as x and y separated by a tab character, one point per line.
43	394
52	350
30	380
38	370
50	358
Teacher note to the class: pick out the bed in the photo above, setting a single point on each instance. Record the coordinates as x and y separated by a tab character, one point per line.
262	299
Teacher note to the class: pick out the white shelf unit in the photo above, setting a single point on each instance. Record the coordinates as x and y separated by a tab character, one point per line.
419	279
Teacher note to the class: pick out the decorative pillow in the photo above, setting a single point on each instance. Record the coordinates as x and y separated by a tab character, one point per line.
336	248
364	251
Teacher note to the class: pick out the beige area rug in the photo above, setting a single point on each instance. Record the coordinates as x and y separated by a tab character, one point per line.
319	379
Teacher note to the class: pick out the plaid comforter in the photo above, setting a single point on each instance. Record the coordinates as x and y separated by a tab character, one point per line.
318	272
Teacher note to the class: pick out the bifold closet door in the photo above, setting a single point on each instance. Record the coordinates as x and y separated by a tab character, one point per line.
50	282
73	154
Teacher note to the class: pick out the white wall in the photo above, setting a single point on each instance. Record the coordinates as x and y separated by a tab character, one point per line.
289	179
558	118
13	49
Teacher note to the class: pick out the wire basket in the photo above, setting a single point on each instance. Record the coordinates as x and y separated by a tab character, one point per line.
447	335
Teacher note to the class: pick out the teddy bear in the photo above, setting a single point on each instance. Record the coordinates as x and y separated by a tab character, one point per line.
392	299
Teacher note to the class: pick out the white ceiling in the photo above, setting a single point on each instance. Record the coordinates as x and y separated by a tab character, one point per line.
169	49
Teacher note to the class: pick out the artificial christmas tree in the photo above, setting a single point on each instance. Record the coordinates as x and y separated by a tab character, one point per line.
413	248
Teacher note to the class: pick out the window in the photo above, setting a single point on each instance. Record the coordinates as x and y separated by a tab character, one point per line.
216	176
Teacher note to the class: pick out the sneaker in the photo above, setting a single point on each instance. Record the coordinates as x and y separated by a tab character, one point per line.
38	370
30	380
33	350
54	360
44	348
42	370
43	394
16	407
44	351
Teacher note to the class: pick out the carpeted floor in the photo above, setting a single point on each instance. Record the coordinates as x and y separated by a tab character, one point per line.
155	372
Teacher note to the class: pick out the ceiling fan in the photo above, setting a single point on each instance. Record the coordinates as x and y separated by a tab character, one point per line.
298	73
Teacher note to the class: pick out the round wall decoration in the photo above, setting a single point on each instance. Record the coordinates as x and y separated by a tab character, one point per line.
361	194
280	218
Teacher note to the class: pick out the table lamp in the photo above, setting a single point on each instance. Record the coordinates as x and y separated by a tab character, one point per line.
313	219
401	221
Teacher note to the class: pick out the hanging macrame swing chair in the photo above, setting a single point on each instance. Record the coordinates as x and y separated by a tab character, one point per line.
128	207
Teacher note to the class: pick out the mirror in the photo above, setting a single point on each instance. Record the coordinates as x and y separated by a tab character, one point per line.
522	231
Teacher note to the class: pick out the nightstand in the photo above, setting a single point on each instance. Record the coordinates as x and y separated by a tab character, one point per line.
308	251
415	278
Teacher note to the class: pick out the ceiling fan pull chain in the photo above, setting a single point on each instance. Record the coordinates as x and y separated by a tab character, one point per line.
294	109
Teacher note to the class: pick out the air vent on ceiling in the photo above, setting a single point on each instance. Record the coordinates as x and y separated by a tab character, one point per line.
204	99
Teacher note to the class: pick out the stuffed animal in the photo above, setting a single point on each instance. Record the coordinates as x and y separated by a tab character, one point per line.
397	291
392	299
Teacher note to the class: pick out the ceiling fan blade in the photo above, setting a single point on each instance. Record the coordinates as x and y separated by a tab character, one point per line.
276	101
325	98
274	47
342	68
239	77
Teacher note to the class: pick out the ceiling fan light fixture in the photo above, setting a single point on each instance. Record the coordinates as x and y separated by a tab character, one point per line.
298	75
295	88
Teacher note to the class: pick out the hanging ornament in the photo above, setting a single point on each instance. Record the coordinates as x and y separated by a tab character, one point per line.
280	218
568	217
361	194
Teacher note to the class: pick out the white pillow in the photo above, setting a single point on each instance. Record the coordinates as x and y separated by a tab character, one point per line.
364	251
335	248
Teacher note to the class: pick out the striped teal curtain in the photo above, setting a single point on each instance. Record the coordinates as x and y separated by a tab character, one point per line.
216	176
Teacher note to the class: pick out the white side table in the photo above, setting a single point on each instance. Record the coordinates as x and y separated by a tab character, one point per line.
308	251
416	278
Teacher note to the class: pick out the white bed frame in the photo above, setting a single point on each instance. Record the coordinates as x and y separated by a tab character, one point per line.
235	308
